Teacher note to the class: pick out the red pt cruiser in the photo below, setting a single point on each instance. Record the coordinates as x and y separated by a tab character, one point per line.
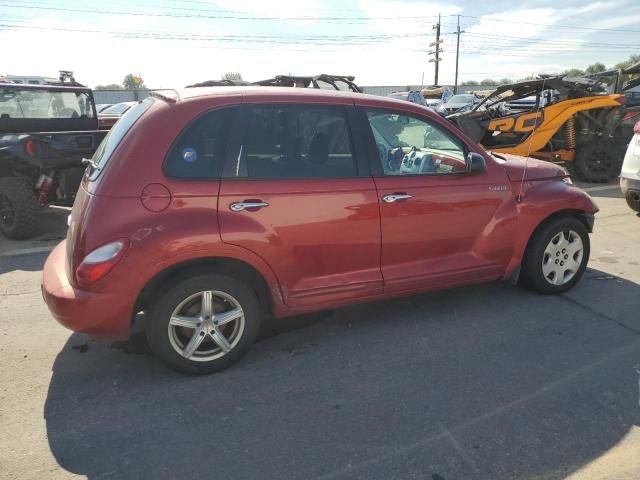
215	209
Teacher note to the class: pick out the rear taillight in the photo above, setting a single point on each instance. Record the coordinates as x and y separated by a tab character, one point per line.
30	147
636	128
630	115
100	262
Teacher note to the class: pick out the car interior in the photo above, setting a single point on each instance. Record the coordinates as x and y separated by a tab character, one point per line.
293	142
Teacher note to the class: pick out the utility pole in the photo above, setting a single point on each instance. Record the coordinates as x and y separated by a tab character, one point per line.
437	49
458	32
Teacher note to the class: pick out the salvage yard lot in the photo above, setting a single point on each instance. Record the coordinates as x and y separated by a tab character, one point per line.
482	382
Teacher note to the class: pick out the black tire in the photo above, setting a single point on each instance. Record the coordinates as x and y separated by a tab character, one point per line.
168	299
18	208
633	200
598	161
532	275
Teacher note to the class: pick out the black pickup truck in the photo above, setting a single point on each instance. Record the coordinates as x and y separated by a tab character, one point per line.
45	132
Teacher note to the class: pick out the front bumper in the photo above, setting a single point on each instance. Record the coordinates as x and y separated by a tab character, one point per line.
99	314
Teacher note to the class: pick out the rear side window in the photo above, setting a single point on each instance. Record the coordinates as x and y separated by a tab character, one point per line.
295	141
198	151
116	134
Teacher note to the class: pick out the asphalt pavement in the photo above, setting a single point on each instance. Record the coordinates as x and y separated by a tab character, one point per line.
482	382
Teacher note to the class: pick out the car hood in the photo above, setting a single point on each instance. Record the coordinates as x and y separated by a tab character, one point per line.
535	169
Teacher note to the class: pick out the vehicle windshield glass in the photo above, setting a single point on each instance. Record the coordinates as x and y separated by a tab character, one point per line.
393	131
117	108
460	99
114	137
44	104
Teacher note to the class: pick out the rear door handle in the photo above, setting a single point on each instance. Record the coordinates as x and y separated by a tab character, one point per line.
396	197
240	206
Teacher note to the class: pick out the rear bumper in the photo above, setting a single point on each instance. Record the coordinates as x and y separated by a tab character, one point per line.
627	184
99	314
631	189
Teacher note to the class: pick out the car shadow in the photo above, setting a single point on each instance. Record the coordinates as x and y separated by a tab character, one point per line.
479	382
31	262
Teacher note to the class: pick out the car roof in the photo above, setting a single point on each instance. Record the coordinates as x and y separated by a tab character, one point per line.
204	93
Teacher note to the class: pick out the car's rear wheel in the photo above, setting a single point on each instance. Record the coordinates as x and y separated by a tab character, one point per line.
556	256
18	208
203	324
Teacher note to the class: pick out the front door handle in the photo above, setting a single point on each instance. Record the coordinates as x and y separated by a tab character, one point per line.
396	197
239	206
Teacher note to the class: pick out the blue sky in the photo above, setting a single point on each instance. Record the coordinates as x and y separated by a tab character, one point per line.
175	42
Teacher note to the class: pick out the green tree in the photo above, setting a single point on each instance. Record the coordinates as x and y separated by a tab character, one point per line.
504	81
110	86
595	68
633	59
133	82
488	82
573	72
470	83
232	76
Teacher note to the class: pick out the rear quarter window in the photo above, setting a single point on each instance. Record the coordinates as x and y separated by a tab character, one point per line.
116	134
199	150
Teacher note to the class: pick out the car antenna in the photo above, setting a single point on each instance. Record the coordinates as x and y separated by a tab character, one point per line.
526	159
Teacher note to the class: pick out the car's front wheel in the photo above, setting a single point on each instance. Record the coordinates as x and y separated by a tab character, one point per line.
203	324
556	256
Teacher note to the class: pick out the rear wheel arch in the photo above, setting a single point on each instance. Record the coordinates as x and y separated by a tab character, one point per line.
239	269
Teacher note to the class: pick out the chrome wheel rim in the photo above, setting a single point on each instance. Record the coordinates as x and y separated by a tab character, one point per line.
206	326
562	258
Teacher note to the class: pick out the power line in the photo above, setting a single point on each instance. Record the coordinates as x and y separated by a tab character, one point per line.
545	40
275	38
224	16
563	26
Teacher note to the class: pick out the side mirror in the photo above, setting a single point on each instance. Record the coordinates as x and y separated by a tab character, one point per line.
476	163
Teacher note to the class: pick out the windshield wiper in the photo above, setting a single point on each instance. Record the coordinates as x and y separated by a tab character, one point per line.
497	156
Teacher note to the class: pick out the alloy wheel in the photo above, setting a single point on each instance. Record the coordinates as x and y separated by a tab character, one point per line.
206	326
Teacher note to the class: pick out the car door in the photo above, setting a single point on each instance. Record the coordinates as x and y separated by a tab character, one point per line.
440	224
296	195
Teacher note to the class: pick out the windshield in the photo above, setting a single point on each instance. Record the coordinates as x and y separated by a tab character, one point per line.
114	137
461	99
45	104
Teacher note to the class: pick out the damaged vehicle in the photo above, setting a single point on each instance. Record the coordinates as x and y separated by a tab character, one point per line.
578	123
436	95
323	81
45	132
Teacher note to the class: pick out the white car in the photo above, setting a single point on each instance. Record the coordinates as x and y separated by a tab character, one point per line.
630	174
